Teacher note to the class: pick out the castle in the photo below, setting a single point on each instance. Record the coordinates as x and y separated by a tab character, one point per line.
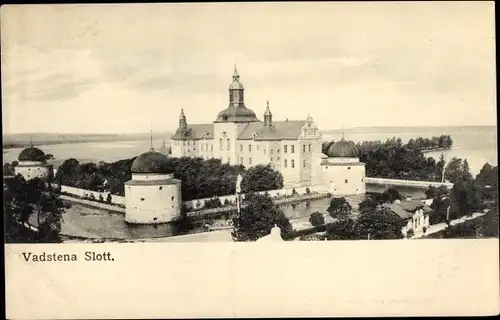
238	137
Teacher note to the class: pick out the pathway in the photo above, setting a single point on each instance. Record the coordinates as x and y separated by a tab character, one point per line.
441	226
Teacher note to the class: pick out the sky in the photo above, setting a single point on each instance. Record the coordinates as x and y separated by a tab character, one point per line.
131	68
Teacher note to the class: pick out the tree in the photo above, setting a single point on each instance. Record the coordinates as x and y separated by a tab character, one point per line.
342	230
258	216
487	182
316	219
26	202
261	178
67	173
465	199
390	195
466	175
368	205
436	192
458	171
339	208
439	212
381	224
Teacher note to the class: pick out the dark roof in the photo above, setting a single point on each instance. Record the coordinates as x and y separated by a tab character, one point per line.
326	162
405	209
236	114
150	162
344	149
280	130
152	182
195	132
31	154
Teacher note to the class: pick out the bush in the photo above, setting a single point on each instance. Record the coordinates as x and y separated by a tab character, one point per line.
213	203
101	198
410	233
339	208
109	198
308	191
424	229
316	219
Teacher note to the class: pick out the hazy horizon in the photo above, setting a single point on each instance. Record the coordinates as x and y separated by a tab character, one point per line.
322	129
124	69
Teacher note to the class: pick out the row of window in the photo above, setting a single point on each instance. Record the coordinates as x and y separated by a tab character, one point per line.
285	162
204	147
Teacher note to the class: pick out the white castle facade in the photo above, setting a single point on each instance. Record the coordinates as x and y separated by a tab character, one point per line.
238	137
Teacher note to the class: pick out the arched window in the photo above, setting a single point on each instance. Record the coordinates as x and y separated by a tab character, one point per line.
250	161
220	144
285	163
228	144
293	163
241	160
304	163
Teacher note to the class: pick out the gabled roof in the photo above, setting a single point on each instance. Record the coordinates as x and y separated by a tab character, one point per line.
406	209
195	132
280	130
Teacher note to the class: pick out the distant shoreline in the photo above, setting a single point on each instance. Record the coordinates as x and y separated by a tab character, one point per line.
8	146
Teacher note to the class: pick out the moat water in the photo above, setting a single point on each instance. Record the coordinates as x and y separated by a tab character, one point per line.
89	222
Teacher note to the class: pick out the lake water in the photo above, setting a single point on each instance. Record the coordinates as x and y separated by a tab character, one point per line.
478	145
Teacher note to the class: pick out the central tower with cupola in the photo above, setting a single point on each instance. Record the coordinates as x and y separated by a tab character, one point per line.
231	121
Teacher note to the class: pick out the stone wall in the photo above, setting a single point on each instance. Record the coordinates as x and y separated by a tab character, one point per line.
119	200
199	203
195	204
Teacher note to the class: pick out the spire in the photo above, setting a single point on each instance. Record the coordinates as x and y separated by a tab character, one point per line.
182	120
151	139
236	90
31	141
268	116
268	111
343	132
236	75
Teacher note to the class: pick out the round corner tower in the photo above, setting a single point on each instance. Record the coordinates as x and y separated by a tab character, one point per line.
33	164
152	196
342	171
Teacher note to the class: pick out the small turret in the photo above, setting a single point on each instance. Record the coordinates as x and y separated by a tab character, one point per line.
182	120
268	116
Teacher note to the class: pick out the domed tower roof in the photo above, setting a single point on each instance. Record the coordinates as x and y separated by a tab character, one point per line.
236	114
31	154
343	149
150	162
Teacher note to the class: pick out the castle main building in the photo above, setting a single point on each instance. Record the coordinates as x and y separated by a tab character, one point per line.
237	136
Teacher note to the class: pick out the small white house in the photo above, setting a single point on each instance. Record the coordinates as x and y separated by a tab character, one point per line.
414	212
